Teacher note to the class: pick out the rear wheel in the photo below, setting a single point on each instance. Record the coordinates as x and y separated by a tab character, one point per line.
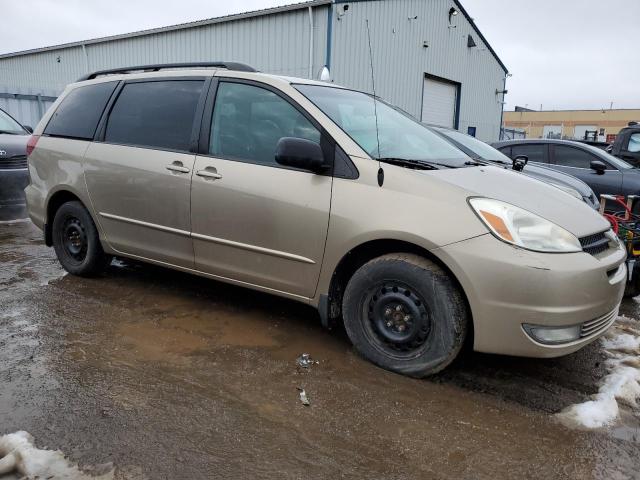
405	314
76	241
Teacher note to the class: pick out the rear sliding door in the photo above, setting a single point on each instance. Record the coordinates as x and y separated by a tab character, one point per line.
139	171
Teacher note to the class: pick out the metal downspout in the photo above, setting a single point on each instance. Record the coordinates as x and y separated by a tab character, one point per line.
504	87
329	35
310	43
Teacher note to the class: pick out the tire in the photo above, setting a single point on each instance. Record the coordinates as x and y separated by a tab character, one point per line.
405	314
632	288
76	241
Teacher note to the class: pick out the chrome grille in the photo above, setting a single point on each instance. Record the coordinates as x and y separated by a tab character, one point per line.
598	325
13	163
595	244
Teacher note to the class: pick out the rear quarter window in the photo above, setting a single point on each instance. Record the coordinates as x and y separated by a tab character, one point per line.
78	114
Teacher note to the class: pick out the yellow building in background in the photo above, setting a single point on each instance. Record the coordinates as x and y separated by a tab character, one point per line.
601	125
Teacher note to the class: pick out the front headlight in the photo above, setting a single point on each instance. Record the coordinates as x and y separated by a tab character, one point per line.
571	191
519	227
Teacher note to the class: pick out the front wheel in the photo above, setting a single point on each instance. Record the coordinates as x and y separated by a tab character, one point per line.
76	241
405	314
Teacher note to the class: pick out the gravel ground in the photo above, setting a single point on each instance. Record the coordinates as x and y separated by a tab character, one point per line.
166	375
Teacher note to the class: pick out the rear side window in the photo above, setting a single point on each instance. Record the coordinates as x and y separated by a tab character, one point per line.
536	153
155	114
634	143
78	114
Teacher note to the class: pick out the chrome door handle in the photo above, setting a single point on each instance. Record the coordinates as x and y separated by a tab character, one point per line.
178	167
211	173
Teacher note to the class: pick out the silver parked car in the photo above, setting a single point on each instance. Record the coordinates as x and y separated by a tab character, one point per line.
14	175
326	196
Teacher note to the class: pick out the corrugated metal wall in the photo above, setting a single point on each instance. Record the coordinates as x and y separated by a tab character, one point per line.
279	43
400	61
27	105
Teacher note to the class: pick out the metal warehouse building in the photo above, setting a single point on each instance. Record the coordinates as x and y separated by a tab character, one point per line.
429	58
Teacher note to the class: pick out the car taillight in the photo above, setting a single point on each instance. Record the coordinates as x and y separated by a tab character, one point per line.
31	144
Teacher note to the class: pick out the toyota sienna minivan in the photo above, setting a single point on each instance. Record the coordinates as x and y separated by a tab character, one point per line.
327	196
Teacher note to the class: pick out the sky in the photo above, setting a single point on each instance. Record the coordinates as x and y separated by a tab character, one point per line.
562	54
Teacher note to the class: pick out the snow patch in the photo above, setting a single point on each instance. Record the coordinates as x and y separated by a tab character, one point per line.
621	385
118	263
53	276
14	222
19	455
14	312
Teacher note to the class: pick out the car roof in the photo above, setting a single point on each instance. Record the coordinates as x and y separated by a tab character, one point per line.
202	72
520	141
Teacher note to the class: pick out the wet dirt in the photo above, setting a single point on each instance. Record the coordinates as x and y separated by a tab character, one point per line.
173	376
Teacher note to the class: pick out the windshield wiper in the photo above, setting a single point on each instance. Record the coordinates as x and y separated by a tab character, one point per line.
9	132
405	162
417	164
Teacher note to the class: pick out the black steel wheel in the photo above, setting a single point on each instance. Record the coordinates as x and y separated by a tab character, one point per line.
406	314
76	240
399	321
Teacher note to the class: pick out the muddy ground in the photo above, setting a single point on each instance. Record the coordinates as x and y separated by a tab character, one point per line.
167	375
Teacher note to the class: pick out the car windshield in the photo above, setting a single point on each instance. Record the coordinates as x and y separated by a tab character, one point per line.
399	135
9	125
480	149
615	161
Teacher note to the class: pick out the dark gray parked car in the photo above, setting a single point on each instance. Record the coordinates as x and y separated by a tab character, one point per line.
14	175
479	150
603	172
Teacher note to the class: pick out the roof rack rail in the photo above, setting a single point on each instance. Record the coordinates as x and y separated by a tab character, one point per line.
240	67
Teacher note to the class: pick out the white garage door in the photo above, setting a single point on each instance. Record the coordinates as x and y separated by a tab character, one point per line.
581	130
439	103
552	131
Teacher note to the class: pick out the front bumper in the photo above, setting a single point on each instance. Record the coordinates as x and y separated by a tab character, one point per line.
508	287
12	185
12	196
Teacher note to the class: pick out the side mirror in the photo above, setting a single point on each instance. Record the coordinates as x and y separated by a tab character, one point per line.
598	166
300	153
28	128
519	162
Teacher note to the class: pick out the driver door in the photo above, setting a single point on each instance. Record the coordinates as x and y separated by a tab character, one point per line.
253	220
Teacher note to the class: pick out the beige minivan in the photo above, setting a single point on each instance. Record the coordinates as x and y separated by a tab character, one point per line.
327	196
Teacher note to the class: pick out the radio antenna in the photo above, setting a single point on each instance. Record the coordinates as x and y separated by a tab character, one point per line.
375	107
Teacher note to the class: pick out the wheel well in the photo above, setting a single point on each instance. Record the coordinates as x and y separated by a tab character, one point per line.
55	202
360	255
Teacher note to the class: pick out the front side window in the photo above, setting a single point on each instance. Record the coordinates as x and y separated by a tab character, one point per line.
535	152
634	143
78	114
248	122
381	130
9	125
572	157
155	114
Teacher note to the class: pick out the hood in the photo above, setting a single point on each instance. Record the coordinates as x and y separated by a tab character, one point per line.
13	145
544	200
